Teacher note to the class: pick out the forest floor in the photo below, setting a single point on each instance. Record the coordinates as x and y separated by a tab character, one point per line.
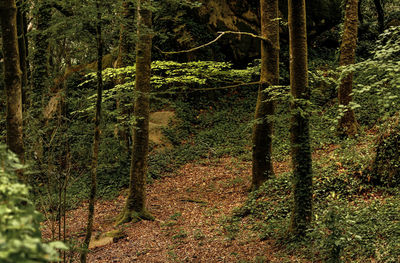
190	206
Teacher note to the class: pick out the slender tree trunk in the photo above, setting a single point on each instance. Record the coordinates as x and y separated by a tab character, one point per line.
135	206
381	15
12	77
347	123
299	130
40	72
126	57
96	140
21	30
263	129
126	49
360	15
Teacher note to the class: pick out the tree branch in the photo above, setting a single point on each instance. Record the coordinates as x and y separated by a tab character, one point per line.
220	34
208	89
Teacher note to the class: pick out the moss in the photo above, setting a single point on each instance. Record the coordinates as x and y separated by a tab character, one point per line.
132	216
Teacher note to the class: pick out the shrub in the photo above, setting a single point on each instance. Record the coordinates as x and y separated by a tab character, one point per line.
20	238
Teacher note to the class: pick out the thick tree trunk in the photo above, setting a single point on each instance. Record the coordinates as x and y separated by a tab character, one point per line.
40	72
135	207
347	123
12	77
300	137
381	15
263	129
96	140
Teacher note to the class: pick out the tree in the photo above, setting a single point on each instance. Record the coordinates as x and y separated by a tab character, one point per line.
347	123
262	131
12	77
135	209
40	73
126	57
381	15
96	140
299	129
22	44
126	37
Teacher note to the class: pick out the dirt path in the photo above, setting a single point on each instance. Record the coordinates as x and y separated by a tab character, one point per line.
189	207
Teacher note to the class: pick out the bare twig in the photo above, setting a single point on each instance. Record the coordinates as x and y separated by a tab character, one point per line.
208	89
220	34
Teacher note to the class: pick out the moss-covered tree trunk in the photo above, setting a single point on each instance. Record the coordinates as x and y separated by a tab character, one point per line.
347	123
96	140
135	206
262	131
299	129
40	74
12	77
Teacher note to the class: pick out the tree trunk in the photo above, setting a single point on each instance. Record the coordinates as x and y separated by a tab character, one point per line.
126	54
40	72
96	140
126	57
381	15
135	207
299	130
263	129
347	123
12	77
22	48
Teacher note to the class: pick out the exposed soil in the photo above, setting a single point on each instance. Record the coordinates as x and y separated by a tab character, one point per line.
189	207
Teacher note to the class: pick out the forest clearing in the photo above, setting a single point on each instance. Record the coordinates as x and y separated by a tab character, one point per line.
200	131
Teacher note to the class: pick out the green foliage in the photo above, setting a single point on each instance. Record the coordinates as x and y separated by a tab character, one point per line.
168	78
269	206
20	238
385	167
378	79
352	221
359	231
206	129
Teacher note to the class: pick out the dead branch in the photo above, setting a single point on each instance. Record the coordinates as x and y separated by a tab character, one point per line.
220	34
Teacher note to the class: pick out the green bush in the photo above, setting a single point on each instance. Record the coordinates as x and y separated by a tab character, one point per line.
20	238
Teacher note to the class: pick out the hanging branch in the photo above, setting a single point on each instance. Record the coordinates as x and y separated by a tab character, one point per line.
220	34
208	89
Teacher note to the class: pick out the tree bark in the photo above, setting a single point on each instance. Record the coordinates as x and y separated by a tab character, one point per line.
96	140
22	48
262	131
381	15
299	130
135	206
126	57
126	54
12	77
40	72
347	123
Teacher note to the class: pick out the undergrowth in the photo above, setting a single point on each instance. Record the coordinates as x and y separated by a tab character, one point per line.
353	221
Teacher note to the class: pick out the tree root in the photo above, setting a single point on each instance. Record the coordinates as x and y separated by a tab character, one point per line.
127	216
